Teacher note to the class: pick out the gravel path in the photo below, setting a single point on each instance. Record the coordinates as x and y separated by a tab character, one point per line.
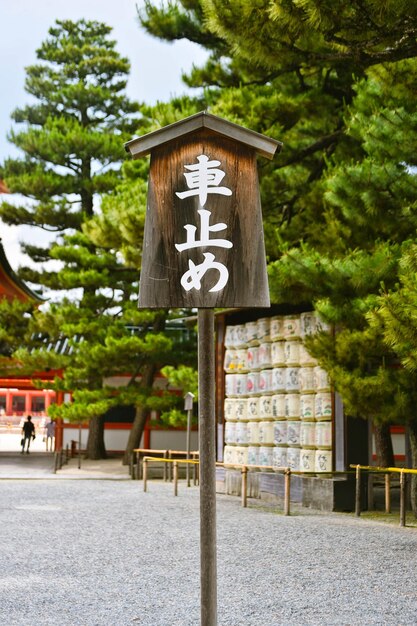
103	553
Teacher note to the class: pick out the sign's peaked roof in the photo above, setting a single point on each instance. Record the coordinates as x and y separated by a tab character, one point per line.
260	143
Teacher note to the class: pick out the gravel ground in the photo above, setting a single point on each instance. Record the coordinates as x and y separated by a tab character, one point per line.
103	553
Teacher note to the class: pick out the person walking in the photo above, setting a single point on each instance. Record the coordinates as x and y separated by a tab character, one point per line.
28	433
50	435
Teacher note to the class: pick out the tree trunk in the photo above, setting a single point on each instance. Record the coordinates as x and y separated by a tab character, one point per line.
383	445
135	435
136	432
95	445
412	430
148	373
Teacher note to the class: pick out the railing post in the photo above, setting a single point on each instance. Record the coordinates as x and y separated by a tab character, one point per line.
287	492
387	493
175	478
145	473
165	467
244	486
403	485
358	491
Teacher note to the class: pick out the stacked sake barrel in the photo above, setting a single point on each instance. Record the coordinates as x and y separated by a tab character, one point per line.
278	405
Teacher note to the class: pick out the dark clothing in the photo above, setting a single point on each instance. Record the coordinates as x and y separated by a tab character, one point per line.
28	429
28	433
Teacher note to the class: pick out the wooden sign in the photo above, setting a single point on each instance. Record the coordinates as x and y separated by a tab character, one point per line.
203	243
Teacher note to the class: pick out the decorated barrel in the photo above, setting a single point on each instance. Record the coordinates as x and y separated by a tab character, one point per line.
253	455
278	405
230	385
230	409
252	412
241	409
307	406
308	323
265	407
265	381
252	433
323	461
241	455
241	384
252	358
230	360
292	406
280	432
266	433
293	459
230	432
252	333
241	361
264	355
293	433
292	379
306	360
279	457
307	460
265	455
323	435
276	328
278	354
230	337
323	406
264	329
229	455
241	433
241	338
252	383
292	327
292	353
307	380
308	435
322	379
278	379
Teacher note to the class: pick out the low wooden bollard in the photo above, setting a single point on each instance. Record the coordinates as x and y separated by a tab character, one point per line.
358	492
287	492
403	486
175	464
244	488
387	493
145	473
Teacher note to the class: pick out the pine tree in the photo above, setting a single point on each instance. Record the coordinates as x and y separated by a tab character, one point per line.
72	140
333	82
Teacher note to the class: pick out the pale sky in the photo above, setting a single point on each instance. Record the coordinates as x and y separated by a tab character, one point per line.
156	66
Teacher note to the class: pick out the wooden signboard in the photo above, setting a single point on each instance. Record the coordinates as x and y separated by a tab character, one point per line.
203	244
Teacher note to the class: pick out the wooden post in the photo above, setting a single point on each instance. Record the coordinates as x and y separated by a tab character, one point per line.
387	493
175	478
287	492
207	440
165	455
244	486
403	487
358	491
145	473
79	446
131	465
180	271
188	406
